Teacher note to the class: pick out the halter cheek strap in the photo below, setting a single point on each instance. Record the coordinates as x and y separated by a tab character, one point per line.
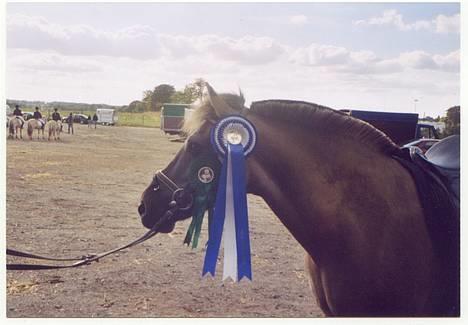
179	194
161	177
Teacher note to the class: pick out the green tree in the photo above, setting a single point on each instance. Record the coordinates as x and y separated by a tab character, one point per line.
452	121
136	106
180	97
147	97
160	95
197	88
191	93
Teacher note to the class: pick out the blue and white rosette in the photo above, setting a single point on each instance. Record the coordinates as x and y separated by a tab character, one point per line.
233	138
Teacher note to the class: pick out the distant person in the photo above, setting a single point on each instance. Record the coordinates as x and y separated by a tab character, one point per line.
19	114
38	116
95	119
56	117
89	121
70	123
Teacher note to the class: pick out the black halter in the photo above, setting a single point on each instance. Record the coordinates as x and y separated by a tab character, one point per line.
181	201
180	195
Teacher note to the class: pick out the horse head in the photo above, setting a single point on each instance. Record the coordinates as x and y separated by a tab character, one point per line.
192	176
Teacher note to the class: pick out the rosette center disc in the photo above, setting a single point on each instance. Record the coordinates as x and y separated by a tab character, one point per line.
233	130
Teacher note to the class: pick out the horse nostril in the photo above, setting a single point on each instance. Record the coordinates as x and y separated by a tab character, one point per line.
141	209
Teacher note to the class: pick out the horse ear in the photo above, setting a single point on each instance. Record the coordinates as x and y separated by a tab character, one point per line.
220	107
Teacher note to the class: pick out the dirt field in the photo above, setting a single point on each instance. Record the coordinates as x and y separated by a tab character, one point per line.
80	195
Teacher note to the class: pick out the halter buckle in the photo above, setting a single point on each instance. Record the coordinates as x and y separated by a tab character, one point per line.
180	196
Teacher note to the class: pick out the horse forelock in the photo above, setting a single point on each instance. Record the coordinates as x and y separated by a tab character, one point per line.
324	119
204	112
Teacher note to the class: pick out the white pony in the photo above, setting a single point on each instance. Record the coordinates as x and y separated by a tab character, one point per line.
36	124
54	128
15	124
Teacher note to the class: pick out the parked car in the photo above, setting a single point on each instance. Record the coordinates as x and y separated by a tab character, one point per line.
423	144
27	115
77	118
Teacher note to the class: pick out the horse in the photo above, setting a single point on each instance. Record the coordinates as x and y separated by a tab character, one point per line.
33	124
334	183
54	128
15	124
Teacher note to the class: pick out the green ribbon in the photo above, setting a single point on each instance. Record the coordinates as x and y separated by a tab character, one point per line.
204	194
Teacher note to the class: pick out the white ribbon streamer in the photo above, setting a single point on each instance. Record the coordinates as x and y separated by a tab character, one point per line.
229	233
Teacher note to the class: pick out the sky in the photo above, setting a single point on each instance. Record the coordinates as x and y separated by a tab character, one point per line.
375	56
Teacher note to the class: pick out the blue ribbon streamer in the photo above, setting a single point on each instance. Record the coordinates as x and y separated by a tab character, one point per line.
240	213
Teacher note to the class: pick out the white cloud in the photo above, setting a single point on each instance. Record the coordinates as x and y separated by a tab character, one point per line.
29	61
246	50
38	33
441	24
340	59
298	20
137	41
422	60
417	60
320	55
447	24
448	62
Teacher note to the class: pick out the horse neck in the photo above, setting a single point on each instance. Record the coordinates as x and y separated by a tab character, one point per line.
305	177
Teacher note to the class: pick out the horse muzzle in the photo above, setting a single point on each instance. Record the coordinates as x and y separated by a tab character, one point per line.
149	220
180	206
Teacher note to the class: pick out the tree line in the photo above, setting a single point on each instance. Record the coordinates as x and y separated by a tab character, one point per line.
452	121
153	100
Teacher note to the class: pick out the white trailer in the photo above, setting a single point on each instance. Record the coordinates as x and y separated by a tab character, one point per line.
106	116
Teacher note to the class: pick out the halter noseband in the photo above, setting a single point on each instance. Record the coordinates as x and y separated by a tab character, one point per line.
179	194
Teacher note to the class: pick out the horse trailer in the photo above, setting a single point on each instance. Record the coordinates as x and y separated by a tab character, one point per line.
106	116
172	117
400	127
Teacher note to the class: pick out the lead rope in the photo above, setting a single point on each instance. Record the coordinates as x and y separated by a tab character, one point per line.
87	259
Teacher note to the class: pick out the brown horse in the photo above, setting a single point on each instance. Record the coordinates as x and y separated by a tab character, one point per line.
15	126
38	125
54	128
333	183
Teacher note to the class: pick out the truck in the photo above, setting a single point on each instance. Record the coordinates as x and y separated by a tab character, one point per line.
106	116
173	116
400	127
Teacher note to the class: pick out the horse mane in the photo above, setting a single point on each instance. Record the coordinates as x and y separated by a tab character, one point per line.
308	115
205	112
322	118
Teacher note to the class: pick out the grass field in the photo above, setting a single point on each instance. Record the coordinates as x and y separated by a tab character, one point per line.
146	119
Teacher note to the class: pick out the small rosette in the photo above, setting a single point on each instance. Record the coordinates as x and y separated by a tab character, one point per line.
233	130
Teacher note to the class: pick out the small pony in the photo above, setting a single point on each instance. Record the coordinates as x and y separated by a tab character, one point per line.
36	124
15	123
54	128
